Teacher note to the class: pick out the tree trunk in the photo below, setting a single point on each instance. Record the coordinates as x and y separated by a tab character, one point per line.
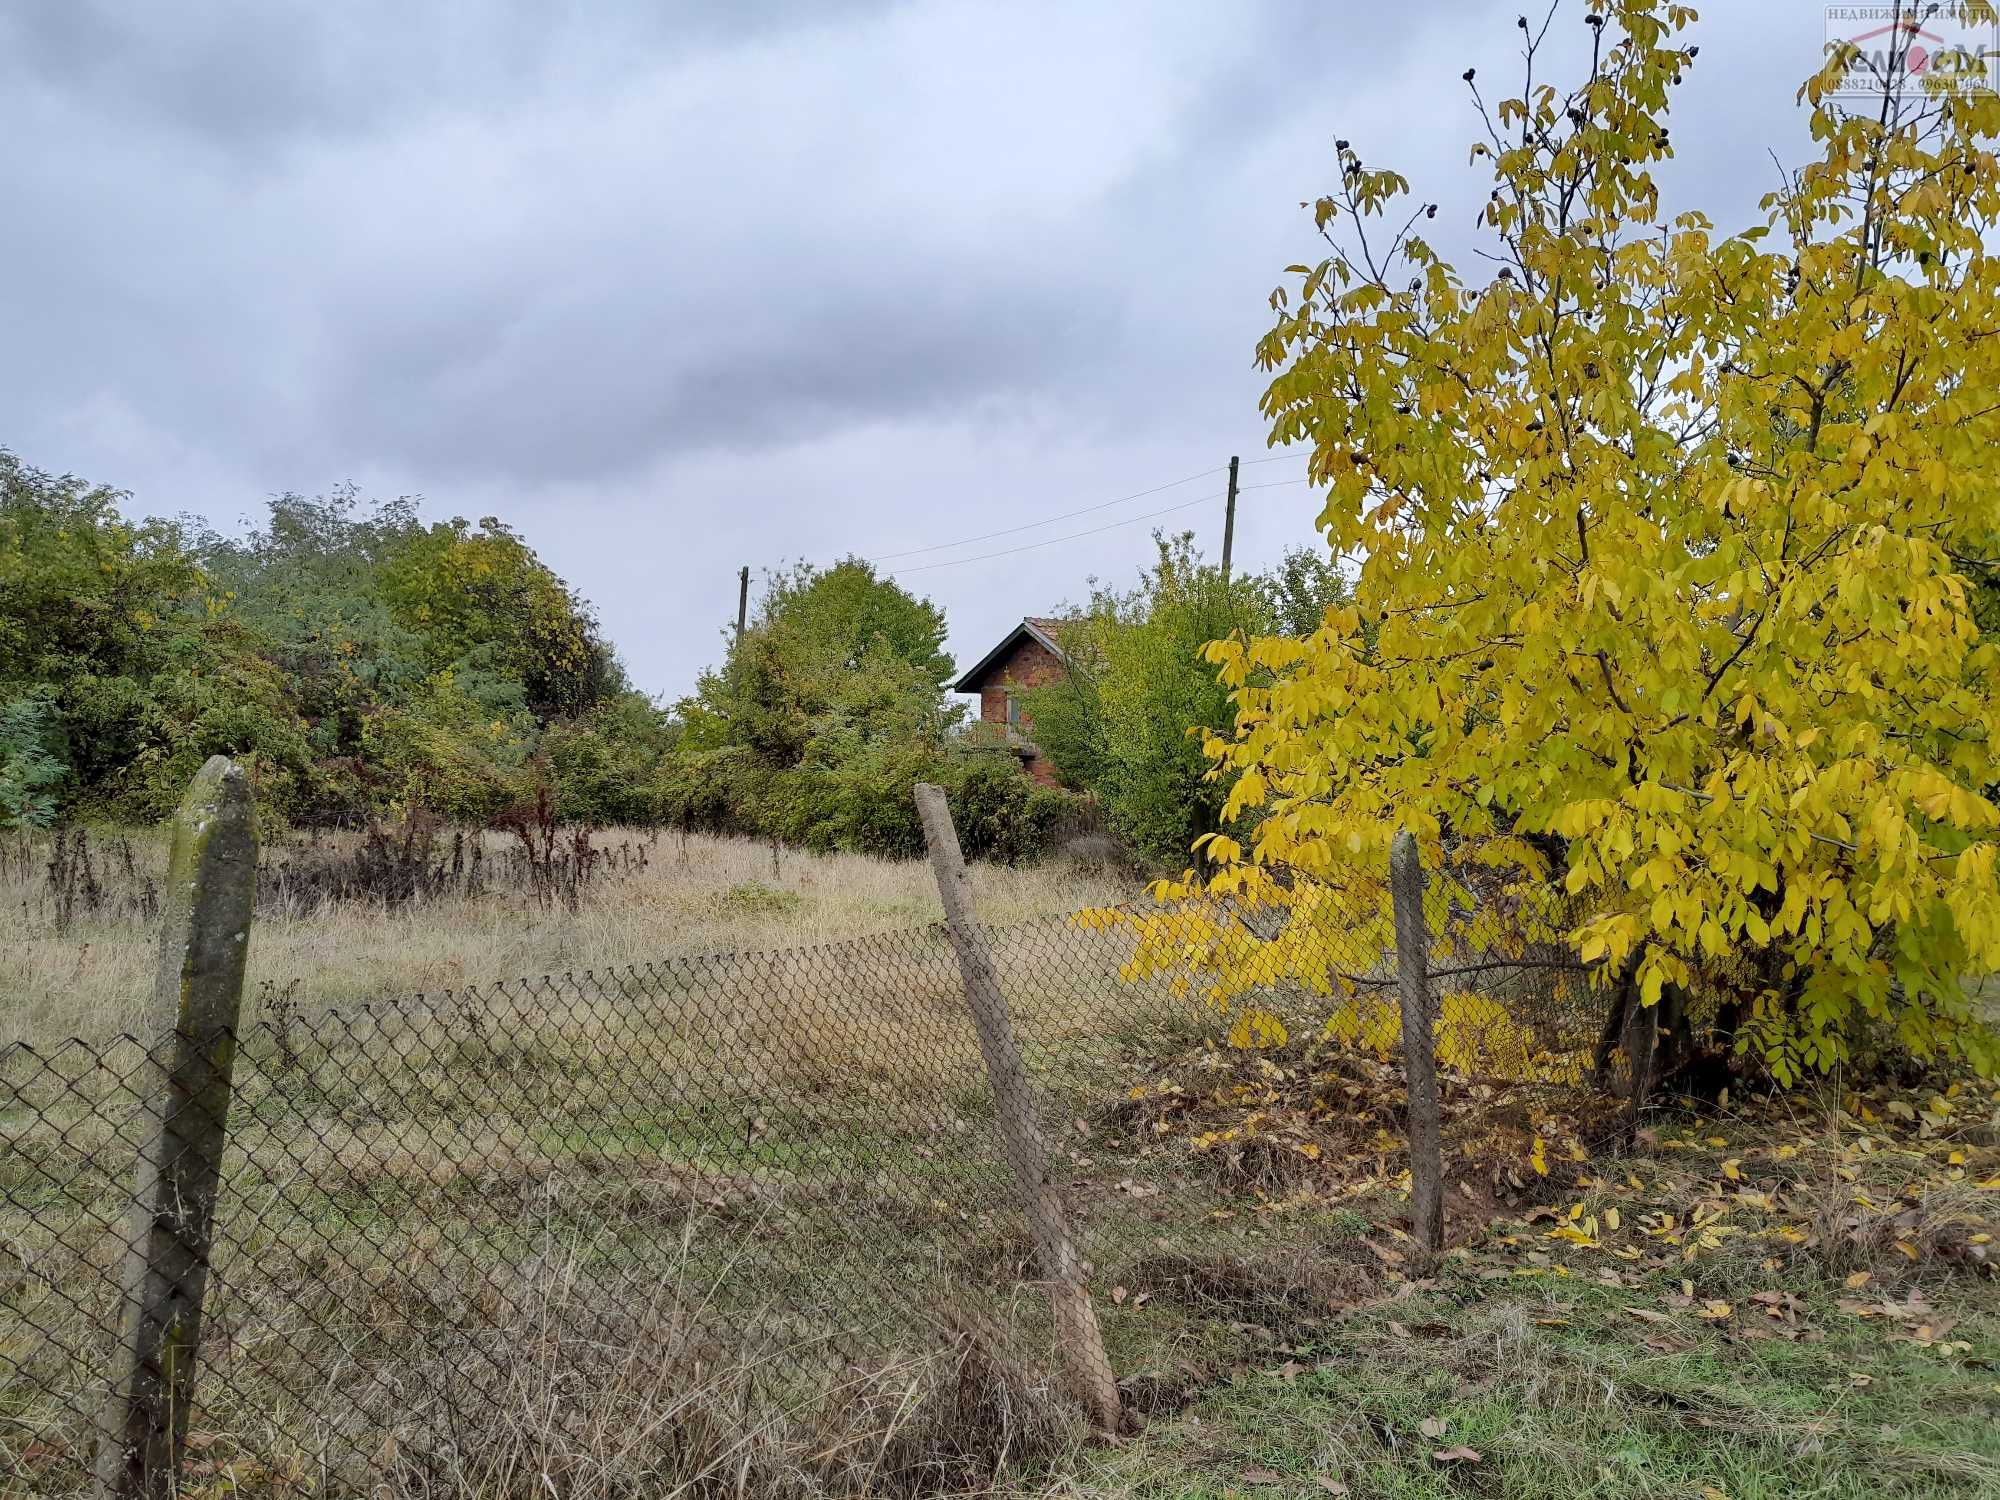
1642	1056
1622	1001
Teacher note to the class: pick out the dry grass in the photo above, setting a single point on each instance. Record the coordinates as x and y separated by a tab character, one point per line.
589	1396
92	974
744	1240
734	1224
651	1403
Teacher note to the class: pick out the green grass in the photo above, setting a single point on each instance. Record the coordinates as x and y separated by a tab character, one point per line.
1555	1385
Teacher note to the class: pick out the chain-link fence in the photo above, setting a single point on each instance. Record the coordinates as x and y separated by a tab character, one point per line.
713	1220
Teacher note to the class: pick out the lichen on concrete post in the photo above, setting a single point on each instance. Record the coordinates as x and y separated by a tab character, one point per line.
197	999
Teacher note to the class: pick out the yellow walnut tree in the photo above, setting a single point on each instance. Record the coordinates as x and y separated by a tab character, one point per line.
1669	546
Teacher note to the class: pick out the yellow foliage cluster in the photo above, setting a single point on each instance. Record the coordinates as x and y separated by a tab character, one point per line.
1473	1034
1672	546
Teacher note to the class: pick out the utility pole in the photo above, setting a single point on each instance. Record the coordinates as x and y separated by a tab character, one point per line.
743	583
1229	520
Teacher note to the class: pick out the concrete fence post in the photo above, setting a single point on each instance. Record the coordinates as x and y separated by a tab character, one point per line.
198	990
1406	885
1020	1135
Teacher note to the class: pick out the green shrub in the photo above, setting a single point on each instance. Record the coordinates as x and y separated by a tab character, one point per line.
864	804
999	811
443	752
603	765
354	661
1121	723
710	791
219	697
29	772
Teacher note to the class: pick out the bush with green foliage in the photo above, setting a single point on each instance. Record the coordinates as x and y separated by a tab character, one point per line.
863	805
30	773
602	765
711	791
1126	722
441	749
217	695
831	707
355	659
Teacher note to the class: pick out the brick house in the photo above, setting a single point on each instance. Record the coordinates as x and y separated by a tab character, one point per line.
1027	657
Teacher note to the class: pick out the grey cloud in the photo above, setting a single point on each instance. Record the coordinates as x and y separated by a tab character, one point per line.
680	286
593	385
249	76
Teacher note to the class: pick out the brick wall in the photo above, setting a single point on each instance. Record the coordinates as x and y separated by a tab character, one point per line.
1030	664
1040	768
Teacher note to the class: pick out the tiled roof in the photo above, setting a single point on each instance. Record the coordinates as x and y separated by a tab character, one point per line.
1042	628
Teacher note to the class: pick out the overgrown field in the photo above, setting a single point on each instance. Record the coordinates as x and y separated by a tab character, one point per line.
338	921
548	1228
740	1224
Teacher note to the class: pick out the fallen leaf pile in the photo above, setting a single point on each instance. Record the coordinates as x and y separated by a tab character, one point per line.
1330	1127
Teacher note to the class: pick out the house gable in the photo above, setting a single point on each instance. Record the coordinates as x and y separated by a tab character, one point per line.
1029	646
1026	658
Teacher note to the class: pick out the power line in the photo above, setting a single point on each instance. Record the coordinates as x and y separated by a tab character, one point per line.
1052	541
967	541
1093	531
1049	520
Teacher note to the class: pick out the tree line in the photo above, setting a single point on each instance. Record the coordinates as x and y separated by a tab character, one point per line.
366	663
357	658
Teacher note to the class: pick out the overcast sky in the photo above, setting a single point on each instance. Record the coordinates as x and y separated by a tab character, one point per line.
677	285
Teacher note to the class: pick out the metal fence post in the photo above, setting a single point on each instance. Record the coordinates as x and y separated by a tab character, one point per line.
204	939
1020	1135
1406	884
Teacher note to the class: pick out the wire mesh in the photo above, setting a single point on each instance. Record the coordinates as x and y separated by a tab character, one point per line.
645	1214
